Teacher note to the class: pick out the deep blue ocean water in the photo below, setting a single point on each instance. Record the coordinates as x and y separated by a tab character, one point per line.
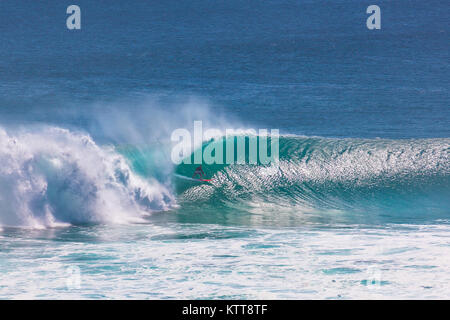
358	207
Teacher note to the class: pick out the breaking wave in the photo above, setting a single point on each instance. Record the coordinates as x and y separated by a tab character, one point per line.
53	176
357	180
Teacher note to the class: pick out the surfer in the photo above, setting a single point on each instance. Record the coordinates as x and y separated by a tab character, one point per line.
199	171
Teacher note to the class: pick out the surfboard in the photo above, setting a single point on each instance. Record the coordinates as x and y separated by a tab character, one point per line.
191	179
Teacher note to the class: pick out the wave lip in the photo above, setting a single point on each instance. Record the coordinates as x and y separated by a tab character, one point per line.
53	177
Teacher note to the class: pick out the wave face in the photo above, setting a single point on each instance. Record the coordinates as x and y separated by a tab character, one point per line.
334	180
53	176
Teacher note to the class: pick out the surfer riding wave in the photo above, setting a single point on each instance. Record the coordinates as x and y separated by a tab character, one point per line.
199	172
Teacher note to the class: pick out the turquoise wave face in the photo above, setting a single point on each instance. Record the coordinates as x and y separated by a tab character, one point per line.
318	180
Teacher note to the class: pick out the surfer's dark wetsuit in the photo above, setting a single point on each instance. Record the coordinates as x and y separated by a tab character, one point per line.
199	171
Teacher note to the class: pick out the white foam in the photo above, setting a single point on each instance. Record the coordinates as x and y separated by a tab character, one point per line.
52	177
391	262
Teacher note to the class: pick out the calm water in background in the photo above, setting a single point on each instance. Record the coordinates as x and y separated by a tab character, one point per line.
358	209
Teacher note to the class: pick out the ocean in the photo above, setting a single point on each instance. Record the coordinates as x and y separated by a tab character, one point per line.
91	203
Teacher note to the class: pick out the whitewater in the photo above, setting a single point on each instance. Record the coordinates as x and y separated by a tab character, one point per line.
55	177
